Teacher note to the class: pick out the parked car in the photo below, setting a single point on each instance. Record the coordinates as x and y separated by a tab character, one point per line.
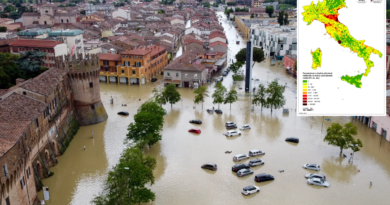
196	121
227	70
210	111
244	172
232	133
263	177
232	126
315	167
218	111
123	113
319	176
255	152
255	162
210	166
229	123
250	190
240	157
238	167
224	73
154	79
197	131
318	182
292	139
245	127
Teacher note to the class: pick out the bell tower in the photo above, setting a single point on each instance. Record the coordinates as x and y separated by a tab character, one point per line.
83	75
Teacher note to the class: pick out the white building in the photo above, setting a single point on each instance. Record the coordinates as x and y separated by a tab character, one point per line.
90	9
275	40
124	13
71	37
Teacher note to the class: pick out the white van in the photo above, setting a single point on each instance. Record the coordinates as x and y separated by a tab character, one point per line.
240	157
255	152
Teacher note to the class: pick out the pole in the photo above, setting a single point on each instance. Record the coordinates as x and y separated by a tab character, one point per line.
322	124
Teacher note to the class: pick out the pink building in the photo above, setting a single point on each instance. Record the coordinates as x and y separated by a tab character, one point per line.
289	63
381	125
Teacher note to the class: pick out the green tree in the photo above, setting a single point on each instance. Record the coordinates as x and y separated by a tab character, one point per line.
126	182
147	125
3	29
275	98
231	97
14	15
5	80
30	62
234	67
9	8
158	97
3	15
269	10
295	66
342	137
219	94
281	18
206	4
388	14
104	2
8	65
171	94
82	12
252	15
161	11
285	20
258	55
181	5
200	94
260	98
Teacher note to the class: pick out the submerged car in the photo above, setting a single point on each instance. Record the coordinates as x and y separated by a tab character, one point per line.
244	172
224	73
319	176
250	190
197	131
210	111
123	113
255	152
255	162
292	139
315	167
232	133
218	111
154	79
232	126
263	177
245	127
238	167
196	121
210	166
317	182
240	157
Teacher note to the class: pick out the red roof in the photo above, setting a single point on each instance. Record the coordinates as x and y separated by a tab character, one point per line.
218	43
110	57
215	35
192	40
34	43
140	52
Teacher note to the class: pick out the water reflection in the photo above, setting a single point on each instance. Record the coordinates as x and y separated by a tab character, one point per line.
338	168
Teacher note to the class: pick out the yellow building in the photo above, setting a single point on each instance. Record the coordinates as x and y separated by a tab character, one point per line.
137	66
241	26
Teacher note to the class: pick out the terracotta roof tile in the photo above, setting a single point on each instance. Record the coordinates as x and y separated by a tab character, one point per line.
191	40
45	83
217	43
34	43
139	51
16	114
110	57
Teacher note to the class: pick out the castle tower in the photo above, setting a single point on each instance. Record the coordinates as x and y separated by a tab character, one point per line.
83	77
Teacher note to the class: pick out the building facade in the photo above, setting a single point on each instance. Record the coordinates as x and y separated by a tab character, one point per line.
106	9
72	38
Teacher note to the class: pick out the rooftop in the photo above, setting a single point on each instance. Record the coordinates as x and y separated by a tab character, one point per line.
45	83
35	43
34	32
67	32
110	57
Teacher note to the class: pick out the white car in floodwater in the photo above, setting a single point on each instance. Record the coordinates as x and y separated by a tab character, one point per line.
232	133
245	127
314	167
317	182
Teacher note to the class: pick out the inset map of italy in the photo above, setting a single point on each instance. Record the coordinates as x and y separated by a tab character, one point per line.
327	12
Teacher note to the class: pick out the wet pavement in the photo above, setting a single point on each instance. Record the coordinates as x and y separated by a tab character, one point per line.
178	176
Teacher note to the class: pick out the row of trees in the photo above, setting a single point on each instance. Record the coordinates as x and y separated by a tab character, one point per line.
25	66
283	18
270	97
15	12
166	95
126	182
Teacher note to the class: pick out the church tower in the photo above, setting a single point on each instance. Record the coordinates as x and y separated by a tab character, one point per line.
83	75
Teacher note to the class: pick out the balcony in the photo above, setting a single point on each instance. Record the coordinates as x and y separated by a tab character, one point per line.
78	40
78	47
167	77
106	68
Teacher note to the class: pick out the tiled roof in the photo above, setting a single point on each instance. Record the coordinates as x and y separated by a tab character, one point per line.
186	62
110	57
139	51
45	83
215	35
16	113
191	40
34	43
218	43
31	14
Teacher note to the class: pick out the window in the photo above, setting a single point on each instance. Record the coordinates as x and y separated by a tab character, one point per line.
148	61
186	75
5	168
54	103
91	84
123	71
133	71
140	57
213	56
22	182
45	23
145	69
167	74
67	20
92	107
177	74
28	172
24	92
36	123
62	20
196	76
149	67
105	63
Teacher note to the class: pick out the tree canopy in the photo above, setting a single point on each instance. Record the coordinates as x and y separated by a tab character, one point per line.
258	55
234	67
170	94
275	98
342	137
260	97
269	10
200	94
219	94
231	97
30	61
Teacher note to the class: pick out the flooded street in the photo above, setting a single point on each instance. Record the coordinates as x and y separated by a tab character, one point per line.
178	176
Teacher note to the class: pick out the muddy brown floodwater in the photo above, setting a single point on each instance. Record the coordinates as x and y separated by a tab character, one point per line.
180	180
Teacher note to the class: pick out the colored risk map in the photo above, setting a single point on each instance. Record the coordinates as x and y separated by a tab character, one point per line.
327	12
341	66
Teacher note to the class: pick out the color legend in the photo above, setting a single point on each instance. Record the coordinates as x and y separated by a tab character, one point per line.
304	87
